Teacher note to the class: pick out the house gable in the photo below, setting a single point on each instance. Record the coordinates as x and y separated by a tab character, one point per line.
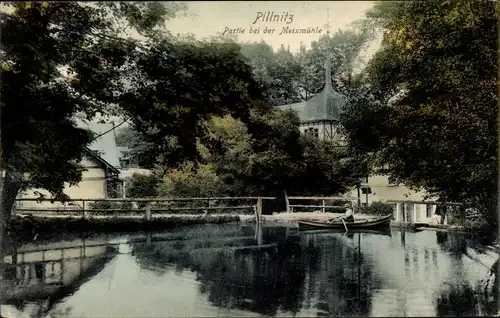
105	165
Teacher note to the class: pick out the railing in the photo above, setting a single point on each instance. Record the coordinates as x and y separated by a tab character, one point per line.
323	206
142	206
426	202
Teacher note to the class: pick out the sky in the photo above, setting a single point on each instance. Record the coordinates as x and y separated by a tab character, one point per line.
210	18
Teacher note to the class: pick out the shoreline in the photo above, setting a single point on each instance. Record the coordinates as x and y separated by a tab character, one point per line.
132	223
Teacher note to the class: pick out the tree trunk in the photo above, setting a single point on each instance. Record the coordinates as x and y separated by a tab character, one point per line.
441	211
10	188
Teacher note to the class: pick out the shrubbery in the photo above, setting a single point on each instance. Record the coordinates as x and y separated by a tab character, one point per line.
142	186
107	205
376	208
234	162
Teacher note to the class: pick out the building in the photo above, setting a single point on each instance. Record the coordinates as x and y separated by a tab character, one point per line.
379	188
320	117
100	179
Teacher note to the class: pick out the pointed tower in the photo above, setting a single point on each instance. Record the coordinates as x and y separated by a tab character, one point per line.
319	115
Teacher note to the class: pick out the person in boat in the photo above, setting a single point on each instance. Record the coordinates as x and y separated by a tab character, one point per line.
349	216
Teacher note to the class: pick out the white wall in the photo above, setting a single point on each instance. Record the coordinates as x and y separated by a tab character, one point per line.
383	191
324	129
92	186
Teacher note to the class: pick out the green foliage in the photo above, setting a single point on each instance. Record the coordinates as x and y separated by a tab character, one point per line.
73	225
142	186
141	152
276	72
275	158
109	205
64	59
376	208
440	132
189	182
173	128
342	48
59	59
286	78
184	84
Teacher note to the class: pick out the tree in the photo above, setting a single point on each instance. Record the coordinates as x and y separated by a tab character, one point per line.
276	144
141	151
274	159
342	48
142	186
59	59
228	150
435	80
190	180
177	86
275	72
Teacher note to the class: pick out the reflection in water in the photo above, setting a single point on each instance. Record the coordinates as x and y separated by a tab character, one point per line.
234	270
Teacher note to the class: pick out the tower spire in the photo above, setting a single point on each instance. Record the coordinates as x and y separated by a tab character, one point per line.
328	70
328	73
328	22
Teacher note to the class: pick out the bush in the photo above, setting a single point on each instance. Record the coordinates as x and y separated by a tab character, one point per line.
105	205
142	186
190	182
376	208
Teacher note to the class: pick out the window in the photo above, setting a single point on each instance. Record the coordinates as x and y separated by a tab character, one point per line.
312	132
113	188
428	211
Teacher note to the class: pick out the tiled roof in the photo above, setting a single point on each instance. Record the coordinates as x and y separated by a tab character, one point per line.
105	144
325	105
298	107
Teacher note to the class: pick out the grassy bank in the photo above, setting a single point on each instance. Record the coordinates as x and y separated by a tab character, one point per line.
34	224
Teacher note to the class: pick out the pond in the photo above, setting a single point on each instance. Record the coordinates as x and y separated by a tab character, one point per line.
247	270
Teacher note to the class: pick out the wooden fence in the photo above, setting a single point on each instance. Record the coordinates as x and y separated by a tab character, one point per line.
323	206
144	206
147	207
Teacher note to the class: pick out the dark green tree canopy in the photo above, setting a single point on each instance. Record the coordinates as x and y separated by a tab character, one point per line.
176	86
59	59
431	113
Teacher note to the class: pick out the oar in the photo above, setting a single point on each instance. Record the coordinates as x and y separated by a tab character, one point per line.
345	226
335	219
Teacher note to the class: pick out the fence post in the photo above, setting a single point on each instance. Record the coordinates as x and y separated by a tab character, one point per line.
287	202
148	211
83	209
462	215
323	206
259	209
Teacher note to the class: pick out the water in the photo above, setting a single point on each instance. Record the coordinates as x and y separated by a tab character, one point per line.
235	270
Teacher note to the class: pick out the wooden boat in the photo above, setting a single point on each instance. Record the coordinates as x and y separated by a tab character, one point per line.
374	223
376	231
